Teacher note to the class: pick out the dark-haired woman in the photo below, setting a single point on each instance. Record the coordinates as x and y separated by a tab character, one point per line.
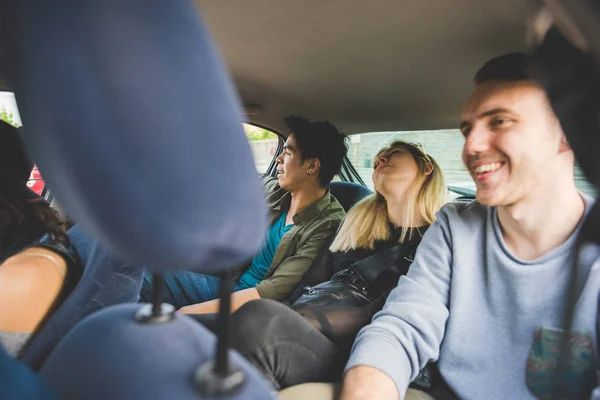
38	266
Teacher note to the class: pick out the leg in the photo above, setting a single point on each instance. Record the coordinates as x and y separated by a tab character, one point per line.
331	391
208	320
313	391
283	346
183	288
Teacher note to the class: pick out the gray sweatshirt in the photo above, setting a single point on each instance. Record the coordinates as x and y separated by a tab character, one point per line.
492	320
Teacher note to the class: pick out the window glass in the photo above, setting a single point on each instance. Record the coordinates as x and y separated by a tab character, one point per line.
8	109
444	145
264	144
10	113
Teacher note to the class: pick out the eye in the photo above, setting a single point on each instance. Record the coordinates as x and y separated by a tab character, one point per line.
500	122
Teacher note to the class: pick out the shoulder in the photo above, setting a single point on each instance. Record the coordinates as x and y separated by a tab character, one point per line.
327	220
330	214
67	251
32	268
30	281
464	213
461	220
335	209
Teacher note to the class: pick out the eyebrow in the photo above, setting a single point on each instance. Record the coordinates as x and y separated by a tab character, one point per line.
289	147
489	113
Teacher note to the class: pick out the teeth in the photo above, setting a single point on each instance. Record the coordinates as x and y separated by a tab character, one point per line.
487	168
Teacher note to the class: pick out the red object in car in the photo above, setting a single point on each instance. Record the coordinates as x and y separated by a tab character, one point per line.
36	182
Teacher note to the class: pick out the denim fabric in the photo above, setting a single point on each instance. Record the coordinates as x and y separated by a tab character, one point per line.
184	288
124	282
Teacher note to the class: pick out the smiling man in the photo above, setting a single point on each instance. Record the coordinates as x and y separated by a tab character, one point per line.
487	294
304	216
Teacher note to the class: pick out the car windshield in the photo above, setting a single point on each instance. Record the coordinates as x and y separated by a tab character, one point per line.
444	145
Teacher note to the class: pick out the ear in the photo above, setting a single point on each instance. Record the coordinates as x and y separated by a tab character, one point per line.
314	164
428	169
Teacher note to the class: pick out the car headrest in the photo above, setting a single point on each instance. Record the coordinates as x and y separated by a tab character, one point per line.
348	193
154	361
135	125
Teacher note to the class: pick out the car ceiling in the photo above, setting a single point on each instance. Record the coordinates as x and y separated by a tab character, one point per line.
376	65
366	66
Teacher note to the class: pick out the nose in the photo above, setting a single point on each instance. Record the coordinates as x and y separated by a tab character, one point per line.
279	159
381	159
477	141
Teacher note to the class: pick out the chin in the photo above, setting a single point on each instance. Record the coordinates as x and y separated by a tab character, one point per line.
489	198
284	185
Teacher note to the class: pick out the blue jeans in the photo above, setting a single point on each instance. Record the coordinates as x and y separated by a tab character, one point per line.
183	288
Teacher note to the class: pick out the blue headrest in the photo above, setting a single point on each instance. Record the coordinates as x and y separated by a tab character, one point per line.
112	356
348	193
17	382
136	128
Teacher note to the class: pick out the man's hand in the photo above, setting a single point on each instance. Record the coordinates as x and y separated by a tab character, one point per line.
364	382
238	299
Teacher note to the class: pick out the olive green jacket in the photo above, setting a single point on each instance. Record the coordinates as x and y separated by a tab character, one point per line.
314	226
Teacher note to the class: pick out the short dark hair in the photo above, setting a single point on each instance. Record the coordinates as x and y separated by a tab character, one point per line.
508	67
320	140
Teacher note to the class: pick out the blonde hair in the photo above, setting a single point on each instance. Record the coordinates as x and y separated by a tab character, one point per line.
368	222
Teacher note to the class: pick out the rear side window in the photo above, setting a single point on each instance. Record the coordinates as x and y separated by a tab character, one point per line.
264	144
9	113
444	145
8	109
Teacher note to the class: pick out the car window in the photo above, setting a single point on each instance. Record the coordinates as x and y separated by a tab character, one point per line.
264	144
8	109
444	145
9	112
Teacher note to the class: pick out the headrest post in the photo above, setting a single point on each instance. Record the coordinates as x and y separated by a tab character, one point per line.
225	289
157	312
158	284
221	378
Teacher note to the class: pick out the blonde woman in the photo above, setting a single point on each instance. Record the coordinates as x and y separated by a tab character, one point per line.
310	339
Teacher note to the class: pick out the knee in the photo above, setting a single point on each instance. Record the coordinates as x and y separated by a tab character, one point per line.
253	323
261	309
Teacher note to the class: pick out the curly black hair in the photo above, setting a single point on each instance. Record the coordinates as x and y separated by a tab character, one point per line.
24	221
321	140
24	217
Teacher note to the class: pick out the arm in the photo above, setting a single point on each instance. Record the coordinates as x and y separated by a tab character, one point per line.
289	273
238	299
30	281
368	383
286	277
408	331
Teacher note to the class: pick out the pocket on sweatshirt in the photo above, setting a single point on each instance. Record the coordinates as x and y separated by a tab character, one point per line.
546	379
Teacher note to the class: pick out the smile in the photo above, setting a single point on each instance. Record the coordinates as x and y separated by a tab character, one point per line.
491	167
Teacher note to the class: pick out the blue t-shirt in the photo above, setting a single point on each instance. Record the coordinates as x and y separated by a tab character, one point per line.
262	261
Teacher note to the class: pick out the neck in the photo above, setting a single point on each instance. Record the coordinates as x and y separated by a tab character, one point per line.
304	197
395	210
537	224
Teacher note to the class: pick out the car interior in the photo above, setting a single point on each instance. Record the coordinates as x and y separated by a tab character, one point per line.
383	66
